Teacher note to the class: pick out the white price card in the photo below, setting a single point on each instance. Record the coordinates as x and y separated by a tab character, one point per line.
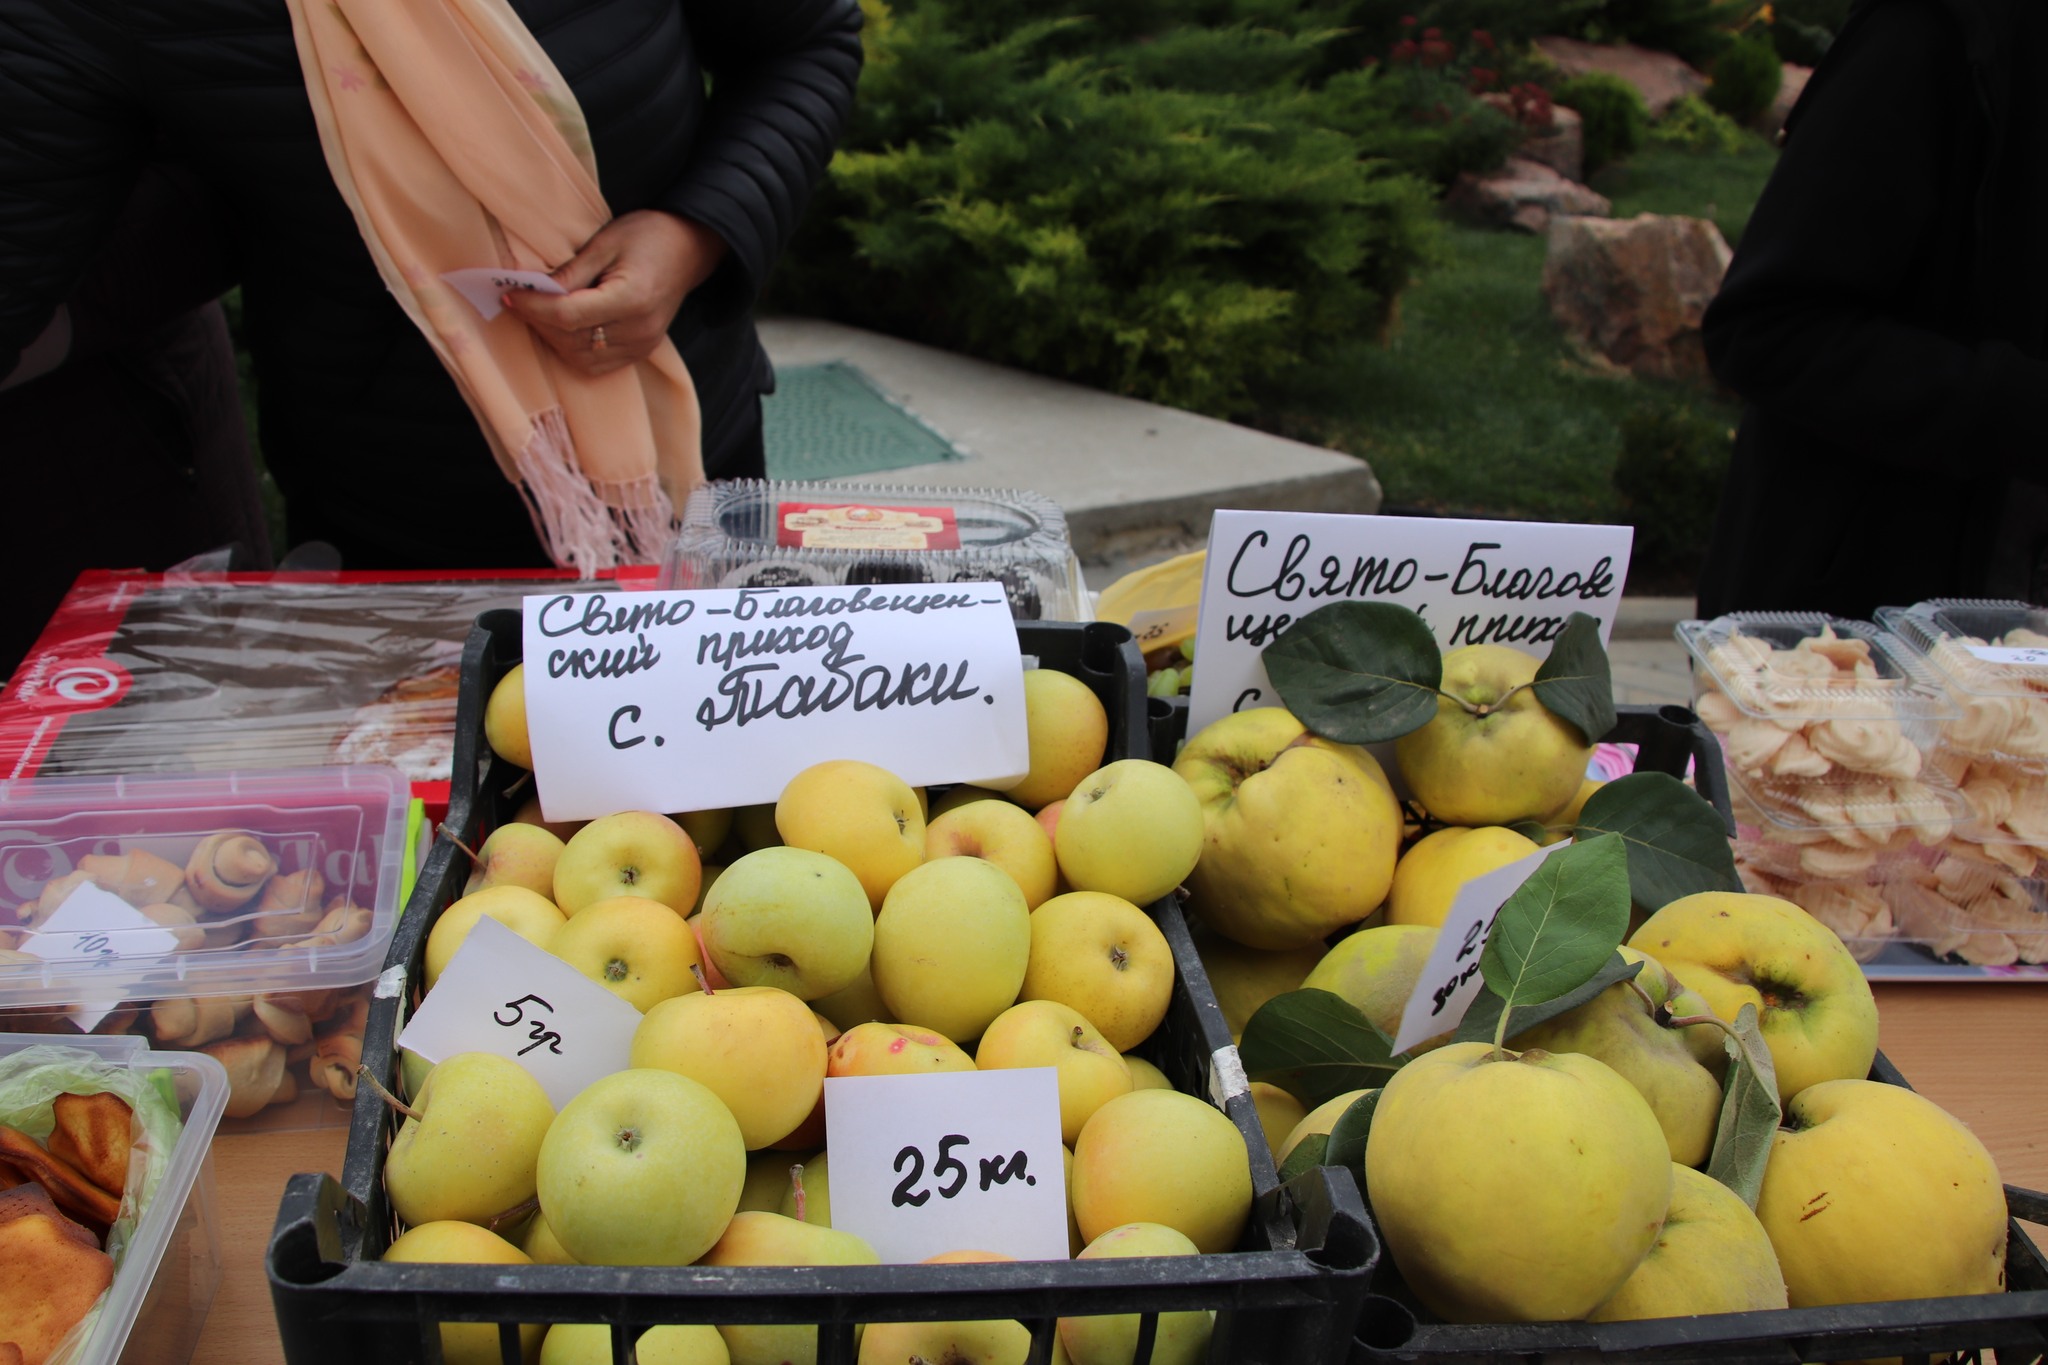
697	700
1450	980
98	929
501	994
1475	582
958	1161
485	286
2030	656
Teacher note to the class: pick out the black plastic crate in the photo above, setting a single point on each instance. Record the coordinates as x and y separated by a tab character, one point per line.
1291	1293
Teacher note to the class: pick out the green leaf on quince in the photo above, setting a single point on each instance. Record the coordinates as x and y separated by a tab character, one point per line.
1677	843
1561	926
1750	1112
1306	1156
1346	1146
1315	1045
1483	1018
1575	683
1357	672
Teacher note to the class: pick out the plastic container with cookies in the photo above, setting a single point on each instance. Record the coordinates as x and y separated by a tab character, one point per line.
244	915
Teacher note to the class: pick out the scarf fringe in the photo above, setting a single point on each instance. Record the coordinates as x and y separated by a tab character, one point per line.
583	525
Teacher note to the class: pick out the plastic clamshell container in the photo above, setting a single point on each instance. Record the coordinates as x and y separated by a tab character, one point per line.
348	822
1287	1296
1992	658
165	1283
756	533
1765	663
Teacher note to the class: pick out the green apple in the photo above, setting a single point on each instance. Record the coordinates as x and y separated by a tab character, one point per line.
1047	1033
813	1178
1875	1193
1132	829
469	1153
1300	834
951	946
1813	1002
590	1343
1493	753
1376	970
1712	1256
1158	1156
636	1142
632	853
516	855
863	815
855	1004
638	949
455	1243
757	1048
1179	1339
1067	730
773	1239
533	917
791	918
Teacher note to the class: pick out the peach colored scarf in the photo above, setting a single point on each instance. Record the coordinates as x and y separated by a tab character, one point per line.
457	144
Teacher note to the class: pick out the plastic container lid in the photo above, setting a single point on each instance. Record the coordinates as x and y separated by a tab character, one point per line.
179	1219
1986	648
1788	666
754	533
347	824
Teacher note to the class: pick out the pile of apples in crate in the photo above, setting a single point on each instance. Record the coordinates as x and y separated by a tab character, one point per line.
855	933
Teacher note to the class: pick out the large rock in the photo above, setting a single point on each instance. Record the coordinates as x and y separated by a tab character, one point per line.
1634	291
1522	194
1662	78
1562	148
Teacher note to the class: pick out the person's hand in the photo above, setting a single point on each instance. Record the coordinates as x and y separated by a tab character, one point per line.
625	286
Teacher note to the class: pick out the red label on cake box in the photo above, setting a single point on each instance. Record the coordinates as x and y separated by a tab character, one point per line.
861	526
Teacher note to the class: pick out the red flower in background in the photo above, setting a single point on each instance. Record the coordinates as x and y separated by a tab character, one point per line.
1480	78
1484	39
1403	51
1436	52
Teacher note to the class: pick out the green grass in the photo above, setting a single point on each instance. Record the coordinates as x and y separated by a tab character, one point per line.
1723	187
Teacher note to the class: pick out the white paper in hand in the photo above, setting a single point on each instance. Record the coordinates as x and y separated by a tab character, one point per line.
484	286
958	1161
1450	980
500	994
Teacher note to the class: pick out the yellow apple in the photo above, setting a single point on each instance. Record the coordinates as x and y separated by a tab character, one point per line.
1300	834
1429	874
955	797
505	719
453	1243
1712	1256
638	949
809	1135
1131	829
1005	834
633	1143
772	1239
1317	1122
533	917
1158	1156
1144	1075
1546	1162
1376	970
1046	1033
633	853
590	1343
858	1003
1105	957
707	829
1813	1003
997	1341
812	1179
791	918
1246	978
1068	731
1279	1113
878	1049
768	1177
541	1245
468	1153
1179	1338
1493	753
865	816
951	946
1875	1193
529	814
757	1048
516	855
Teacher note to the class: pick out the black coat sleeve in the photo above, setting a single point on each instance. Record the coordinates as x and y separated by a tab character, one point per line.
70	150
1815	323
782	82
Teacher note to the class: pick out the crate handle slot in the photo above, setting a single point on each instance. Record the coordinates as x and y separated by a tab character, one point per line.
306	1243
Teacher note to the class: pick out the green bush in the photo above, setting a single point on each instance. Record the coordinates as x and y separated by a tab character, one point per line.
1746	78
1613	113
1696	126
1803	30
1673	462
1081	214
1696	30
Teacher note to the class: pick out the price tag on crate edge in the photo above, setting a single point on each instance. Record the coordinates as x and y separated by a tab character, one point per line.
1475	582
1450	980
958	1161
681	701
501	994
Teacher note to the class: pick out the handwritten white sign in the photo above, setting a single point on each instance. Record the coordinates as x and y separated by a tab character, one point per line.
502	995
97	928
1450	980
1475	582
485	286
958	1161
681	701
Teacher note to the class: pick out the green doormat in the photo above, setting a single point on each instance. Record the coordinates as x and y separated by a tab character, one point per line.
830	422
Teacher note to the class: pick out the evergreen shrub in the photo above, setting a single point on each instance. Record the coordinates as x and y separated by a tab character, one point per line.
1746	77
1613	114
1673	462
1696	126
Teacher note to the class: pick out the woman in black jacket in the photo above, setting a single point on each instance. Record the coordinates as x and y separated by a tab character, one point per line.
1885	321
370	441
